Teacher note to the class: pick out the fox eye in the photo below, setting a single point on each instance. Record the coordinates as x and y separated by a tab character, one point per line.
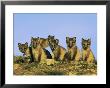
74	41
88	43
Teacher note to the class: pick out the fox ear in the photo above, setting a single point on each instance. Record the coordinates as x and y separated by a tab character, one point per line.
31	38
89	40
19	44
57	41
50	36
37	38
74	38
82	39
26	43
53	37
67	39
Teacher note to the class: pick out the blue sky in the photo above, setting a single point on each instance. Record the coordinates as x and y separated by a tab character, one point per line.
60	25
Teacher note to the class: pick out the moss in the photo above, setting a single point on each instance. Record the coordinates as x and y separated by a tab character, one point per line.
65	68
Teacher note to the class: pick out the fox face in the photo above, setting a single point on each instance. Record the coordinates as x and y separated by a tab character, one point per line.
70	42
86	43
35	42
50	38
23	47
55	43
44	42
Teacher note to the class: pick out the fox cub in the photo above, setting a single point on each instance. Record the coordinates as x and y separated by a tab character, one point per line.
73	53
27	52
87	54
37	50
40	54
58	51
44	44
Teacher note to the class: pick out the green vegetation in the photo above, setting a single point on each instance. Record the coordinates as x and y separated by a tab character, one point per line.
21	67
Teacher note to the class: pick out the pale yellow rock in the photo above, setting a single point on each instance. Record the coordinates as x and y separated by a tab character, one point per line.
16	66
70	73
50	61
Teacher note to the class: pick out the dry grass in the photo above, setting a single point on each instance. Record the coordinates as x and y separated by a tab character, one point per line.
65	68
